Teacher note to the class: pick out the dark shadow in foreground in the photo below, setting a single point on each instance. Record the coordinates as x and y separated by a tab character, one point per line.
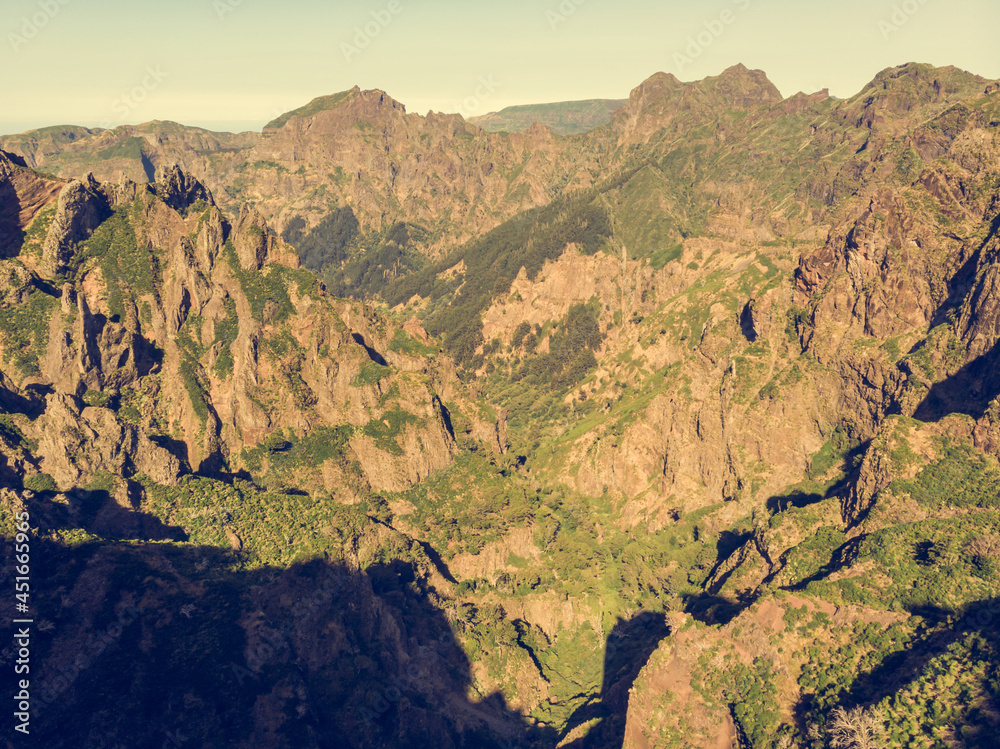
145	643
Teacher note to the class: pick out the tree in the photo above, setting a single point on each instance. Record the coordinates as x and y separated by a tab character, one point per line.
857	728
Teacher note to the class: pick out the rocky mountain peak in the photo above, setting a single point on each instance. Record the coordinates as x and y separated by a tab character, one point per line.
655	87
905	94
745	88
662	101
180	190
8	161
539	132
923	73
355	100
800	101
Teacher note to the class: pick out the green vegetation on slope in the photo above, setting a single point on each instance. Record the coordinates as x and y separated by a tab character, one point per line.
319	104
130	271
492	262
25	331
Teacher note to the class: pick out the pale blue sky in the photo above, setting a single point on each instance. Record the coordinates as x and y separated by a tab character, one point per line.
235	64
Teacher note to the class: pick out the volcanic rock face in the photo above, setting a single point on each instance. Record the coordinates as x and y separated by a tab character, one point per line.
77	443
23	194
191	336
179	190
181	351
255	242
980	320
79	212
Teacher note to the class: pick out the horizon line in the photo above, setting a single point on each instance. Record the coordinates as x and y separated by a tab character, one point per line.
200	123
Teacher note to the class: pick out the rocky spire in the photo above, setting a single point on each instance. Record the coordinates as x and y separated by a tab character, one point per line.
180	190
80	211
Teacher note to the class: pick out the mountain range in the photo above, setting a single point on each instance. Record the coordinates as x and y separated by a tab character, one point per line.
664	422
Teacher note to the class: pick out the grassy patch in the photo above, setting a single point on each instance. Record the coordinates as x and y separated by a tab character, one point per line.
25	331
226	330
387	429
261	287
370	374
403	343
961	477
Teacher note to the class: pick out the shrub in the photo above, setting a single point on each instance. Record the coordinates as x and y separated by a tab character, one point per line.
275	443
40	482
97	398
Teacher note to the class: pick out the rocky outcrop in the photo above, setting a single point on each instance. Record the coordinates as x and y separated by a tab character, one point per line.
671	670
256	245
114	355
76	442
80	211
211	358
493	434
8	164
979	324
180	190
123	192
252	241
986	434
17	283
